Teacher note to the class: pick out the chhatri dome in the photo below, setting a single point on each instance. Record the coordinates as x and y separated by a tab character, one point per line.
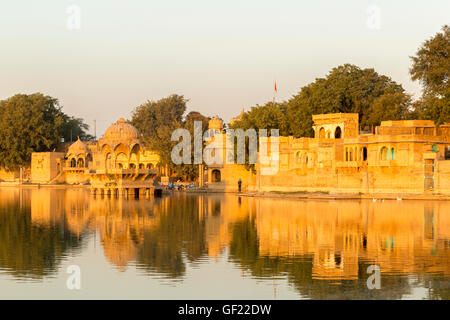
78	147
215	123
121	130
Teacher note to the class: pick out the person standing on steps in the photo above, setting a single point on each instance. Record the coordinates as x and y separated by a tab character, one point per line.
239	185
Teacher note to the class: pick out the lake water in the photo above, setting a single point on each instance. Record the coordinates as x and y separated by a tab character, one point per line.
187	246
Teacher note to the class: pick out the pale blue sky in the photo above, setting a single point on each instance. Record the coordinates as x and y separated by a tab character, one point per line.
222	55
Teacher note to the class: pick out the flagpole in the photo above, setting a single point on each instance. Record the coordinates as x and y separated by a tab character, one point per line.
274	93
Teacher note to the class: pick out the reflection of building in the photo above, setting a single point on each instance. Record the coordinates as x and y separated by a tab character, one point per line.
339	237
117	163
342	235
407	156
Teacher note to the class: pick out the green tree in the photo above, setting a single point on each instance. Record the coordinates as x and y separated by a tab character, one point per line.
431	66
389	106
73	128
189	172
346	89
156	120
31	123
268	116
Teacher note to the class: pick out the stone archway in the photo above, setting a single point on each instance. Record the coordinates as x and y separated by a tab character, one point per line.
364	154
322	133
338	133
216	175
80	163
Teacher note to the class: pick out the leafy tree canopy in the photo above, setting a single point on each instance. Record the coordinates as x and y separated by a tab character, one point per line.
156	120
32	123
268	116
431	66
346	89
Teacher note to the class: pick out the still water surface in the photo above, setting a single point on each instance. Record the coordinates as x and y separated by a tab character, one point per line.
220	247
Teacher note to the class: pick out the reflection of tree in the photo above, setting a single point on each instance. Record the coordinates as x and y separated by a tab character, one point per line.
179	231
28	250
244	244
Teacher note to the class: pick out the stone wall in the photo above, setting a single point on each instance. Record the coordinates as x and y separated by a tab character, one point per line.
46	166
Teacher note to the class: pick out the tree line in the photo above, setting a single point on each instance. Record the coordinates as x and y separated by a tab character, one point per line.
350	89
36	122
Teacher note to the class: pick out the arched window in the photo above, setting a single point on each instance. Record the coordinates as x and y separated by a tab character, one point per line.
80	163
298	157
108	161
322	133
216	175
364	154
134	160
141	166
121	159
149	166
384	155
338	133
132	166
73	162
392	154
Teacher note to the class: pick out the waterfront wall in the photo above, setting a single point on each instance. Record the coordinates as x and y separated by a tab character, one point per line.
357	179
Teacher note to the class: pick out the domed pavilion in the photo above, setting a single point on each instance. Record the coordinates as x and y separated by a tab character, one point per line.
121	164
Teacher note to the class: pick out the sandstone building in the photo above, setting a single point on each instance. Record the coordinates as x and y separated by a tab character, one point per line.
117	163
407	156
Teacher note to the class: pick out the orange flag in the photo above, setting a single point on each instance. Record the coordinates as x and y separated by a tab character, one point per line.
276	90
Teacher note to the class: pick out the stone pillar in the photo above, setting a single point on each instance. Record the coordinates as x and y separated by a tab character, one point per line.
201	176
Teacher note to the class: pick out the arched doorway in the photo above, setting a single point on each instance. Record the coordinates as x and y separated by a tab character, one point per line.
216	175
322	133
384	155
121	159
338	133
108	161
364	154
298	157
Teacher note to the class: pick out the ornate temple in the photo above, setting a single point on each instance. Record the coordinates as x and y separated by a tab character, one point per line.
117	163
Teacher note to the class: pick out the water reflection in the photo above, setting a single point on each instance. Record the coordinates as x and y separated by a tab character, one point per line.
322	248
